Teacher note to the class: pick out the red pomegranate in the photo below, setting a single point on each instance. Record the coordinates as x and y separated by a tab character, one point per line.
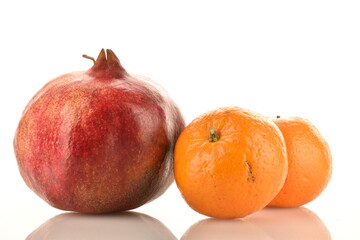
98	141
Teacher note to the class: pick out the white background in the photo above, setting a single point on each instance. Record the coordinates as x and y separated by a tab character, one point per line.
288	58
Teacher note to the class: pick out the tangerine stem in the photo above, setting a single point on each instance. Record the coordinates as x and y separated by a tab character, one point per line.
213	136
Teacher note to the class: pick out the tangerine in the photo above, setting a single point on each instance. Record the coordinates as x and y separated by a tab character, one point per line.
230	162
309	159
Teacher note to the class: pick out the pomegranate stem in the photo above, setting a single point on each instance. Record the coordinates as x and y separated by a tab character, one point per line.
88	57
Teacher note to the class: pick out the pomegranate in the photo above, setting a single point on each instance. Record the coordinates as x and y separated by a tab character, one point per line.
99	140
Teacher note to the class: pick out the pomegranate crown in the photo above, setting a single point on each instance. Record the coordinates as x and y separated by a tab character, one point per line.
106	65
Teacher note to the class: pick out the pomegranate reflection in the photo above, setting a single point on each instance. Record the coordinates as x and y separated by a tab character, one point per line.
126	225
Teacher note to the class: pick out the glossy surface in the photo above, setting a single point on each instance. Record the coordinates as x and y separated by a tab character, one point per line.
21	218
236	175
310	163
151	224
98	141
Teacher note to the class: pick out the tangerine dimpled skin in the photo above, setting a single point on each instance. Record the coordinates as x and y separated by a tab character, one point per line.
310	163
230	162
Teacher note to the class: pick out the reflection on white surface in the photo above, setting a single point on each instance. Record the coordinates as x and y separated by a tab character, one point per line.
270	223
291	223
219	229
77	226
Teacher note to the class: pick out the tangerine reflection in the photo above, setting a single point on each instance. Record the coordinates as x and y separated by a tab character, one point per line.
270	223
216	229
291	223
126	225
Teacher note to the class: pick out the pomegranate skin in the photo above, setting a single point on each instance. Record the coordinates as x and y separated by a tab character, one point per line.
98	141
